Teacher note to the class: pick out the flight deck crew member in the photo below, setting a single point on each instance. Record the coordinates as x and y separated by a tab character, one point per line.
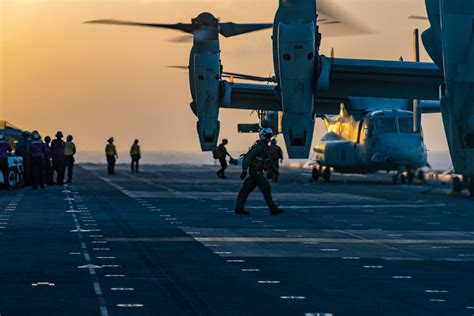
257	160
69	152
276	156
57	152
112	156
23	150
135	154
5	148
37	161
221	154
48	167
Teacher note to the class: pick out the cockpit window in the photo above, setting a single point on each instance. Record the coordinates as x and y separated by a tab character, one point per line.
405	124
386	125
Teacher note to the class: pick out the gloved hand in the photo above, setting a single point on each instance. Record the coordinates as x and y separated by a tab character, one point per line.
243	175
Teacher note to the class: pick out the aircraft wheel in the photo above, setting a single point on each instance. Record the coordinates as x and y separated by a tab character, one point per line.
403	179
410	177
457	185
327	174
315	174
420	176
12	178
470	186
395	179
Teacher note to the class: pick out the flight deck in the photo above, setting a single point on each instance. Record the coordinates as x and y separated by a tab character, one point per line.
166	242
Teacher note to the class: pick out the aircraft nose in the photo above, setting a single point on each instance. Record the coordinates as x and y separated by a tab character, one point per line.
405	148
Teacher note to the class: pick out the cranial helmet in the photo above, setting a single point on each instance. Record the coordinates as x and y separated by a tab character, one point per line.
265	133
36	135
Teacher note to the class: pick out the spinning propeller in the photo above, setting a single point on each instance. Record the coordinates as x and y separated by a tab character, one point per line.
204	21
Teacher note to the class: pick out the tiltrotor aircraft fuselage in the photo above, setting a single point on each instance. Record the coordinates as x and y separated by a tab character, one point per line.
380	140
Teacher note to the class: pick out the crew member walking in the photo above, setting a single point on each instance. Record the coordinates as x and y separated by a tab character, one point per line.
69	152
112	156
5	148
221	154
23	150
257	160
57	152
135	154
276	156
37	161
48	167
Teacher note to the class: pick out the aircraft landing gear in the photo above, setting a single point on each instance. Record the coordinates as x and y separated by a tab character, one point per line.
456	186
410	177
315	174
470	186
406	177
395	179
420	177
403	179
327	174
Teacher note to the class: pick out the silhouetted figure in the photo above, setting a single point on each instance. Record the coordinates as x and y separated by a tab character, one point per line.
57	152
48	166
23	150
221	153
135	154
5	148
257	160
112	156
69	152
276	156
37	161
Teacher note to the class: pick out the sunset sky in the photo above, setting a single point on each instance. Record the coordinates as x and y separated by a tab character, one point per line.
96	81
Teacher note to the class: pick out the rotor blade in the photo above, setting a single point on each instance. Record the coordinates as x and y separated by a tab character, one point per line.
331	22
184	27
181	39
336	22
247	77
418	17
233	29
178	67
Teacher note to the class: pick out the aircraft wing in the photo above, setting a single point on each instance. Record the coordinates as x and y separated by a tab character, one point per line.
343	78
265	97
346	79
250	97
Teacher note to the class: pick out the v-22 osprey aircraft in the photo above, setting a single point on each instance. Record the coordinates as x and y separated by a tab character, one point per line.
308	84
381	136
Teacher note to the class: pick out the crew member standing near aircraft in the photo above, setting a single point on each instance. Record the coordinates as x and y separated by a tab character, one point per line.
257	160
5	148
69	152
23	150
112	156
48	168
57	152
221	154
276	156
37	161
135	154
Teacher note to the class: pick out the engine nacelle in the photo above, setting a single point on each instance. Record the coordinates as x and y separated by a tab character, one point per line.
206	78
457	96
297	57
